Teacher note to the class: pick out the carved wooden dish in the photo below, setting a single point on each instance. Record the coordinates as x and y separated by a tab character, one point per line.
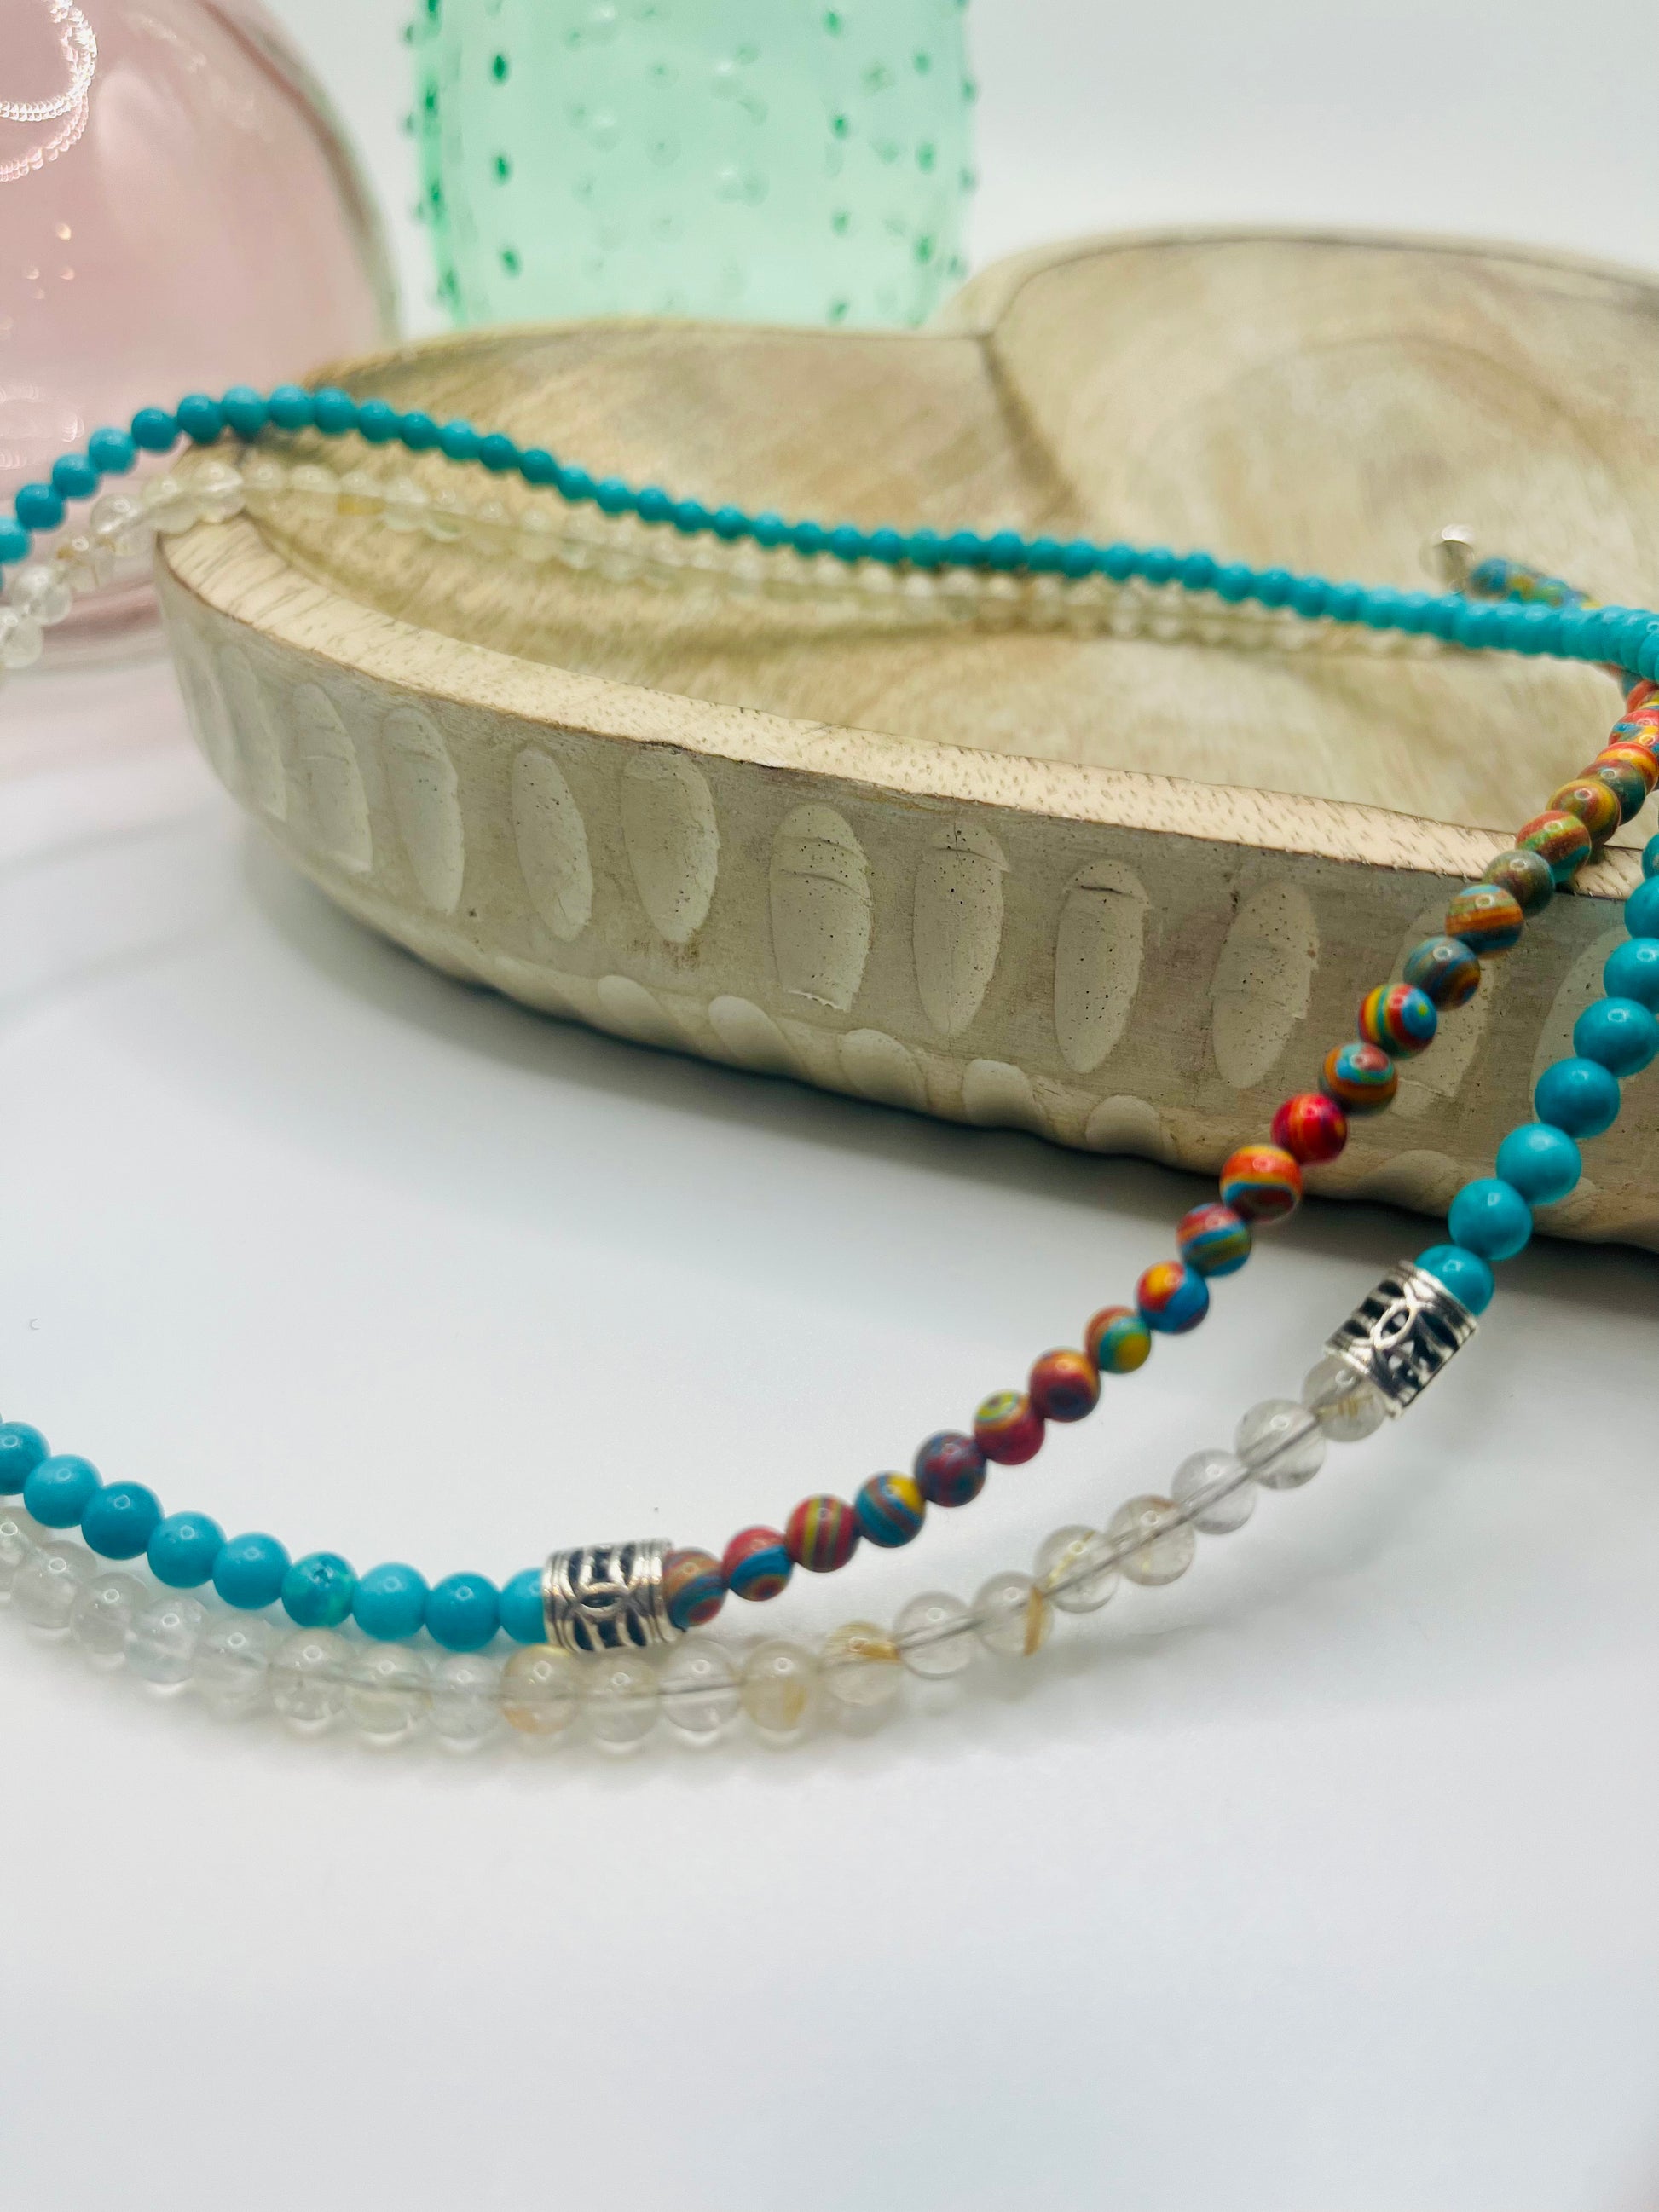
1009	868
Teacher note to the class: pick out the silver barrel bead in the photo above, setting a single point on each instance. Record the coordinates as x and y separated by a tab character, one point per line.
607	1597
1403	1334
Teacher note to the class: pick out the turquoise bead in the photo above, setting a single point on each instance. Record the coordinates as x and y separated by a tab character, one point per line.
419	433
463	1612
1632	971
1578	1096
1005	549
1642	907
536	464
1043	556
769	530
1649	867
574	485
154	431
38	507
246	410
612	496
1273	585
1619	1033
809	538
1310	597
1541	1162
1235	582
1078	559
1465	1275
925	548
654	505
1157	564
458	441
317	1590
498	454
334	412
74	476
111	452
201	419
22	1450
120	1520
1118	560
522	1613
965	548
884	545
1490	1217
249	1570
1197	572
379	422
691	518
846	542
58	1490
389	1602
14	542
184	1549
290	407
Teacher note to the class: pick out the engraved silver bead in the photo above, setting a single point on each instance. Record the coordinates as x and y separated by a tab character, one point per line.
607	1597
1403	1334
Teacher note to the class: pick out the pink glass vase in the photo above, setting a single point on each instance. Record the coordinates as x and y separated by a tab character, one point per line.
179	212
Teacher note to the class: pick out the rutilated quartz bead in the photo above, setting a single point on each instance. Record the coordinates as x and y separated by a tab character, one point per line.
780	1689
934	1636
1068	1570
858	1664
1215	1491
700	1691
1167	1545
1012	1617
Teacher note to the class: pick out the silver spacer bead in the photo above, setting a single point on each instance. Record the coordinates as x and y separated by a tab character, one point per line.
1402	1335
607	1597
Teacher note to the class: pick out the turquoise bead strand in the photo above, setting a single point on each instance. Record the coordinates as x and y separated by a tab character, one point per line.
1626	637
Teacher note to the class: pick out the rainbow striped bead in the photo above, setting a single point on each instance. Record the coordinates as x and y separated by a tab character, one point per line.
949	1469
1008	1428
1445	970
1172	1298
1064	1386
822	1534
1561	839
693	1588
1526	876
1486	918
1262	1183
1398	1018
1311	1127
1592	803
891	1509
1118	1340
1214	1239
756	1564
1629	774
1361	1078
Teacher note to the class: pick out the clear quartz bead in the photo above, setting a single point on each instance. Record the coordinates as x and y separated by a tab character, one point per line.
117	519
406	503
315	489
232	1664
84	563
491	530
1281	1443
537	538
1012	1617
307	1678
170	507
361	493
446	518
541	1690
1215	1491
780	1689
162	1641
264	480
1348	1405
466	1698
386	1692
700	1691
46	1587
22	639
620	1696
38	589
19	1539
934	1636
217	489
104	1611
859	1665
1167	1547
1070	1572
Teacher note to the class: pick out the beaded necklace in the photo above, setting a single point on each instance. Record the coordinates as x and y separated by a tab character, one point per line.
616	1602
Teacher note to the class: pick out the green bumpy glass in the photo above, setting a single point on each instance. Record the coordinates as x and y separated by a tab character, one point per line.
770	161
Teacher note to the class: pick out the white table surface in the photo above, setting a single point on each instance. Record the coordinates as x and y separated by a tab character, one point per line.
1321	1882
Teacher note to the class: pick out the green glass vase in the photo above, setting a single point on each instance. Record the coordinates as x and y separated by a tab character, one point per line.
768	160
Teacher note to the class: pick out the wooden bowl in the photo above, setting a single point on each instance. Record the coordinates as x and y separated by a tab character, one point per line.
1003	866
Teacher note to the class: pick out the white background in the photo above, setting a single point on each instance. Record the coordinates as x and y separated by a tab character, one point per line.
1322	1882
